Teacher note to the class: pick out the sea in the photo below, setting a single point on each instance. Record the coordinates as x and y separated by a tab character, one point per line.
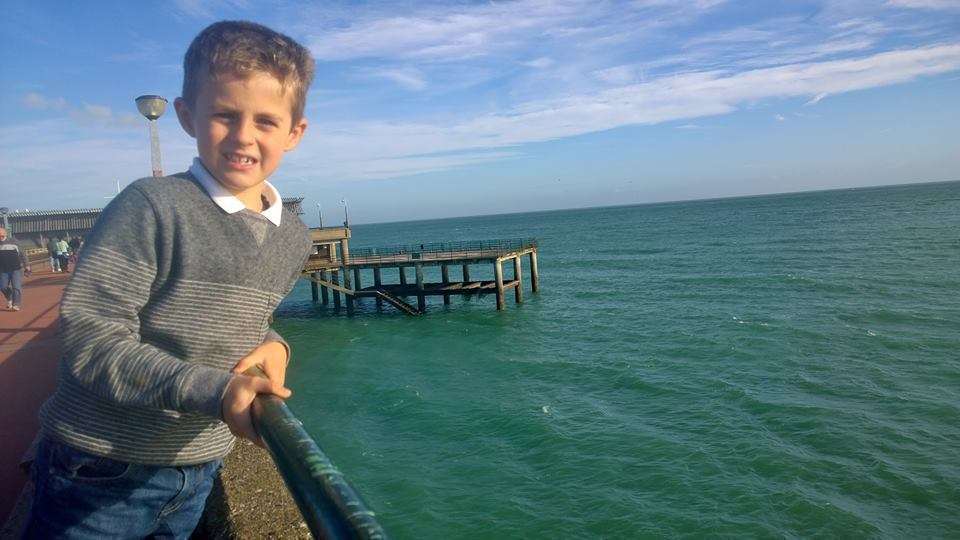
783	366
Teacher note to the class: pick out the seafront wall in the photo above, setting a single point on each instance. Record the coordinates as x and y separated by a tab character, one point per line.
250	500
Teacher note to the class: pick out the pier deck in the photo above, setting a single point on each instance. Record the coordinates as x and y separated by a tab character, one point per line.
326	270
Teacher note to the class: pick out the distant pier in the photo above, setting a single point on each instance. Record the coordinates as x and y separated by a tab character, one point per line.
335	270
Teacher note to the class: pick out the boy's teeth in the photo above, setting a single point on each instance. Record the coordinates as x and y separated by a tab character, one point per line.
241	159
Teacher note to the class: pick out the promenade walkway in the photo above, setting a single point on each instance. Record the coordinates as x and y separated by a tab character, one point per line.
29	351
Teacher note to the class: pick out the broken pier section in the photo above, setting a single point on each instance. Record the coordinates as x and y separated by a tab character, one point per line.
334	269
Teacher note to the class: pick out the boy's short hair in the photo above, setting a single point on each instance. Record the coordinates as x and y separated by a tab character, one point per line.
243	48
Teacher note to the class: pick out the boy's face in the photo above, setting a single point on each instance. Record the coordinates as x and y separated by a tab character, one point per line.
243	126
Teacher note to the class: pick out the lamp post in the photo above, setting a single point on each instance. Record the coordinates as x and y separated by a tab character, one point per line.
346	213
320	214
152	107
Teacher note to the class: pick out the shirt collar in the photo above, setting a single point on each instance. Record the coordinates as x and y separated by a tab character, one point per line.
228	202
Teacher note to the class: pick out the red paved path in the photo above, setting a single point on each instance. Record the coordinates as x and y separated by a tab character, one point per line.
29	350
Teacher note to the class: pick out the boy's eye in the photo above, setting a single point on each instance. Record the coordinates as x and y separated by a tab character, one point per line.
268	122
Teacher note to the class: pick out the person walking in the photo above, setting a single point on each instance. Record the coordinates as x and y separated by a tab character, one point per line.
74	244
64	249
54	251
13	265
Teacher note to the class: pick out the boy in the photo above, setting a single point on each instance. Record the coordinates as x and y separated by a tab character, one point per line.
176	284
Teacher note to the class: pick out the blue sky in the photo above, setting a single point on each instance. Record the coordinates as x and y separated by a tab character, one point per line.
434	109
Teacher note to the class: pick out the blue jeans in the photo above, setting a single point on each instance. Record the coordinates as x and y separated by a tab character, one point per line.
11	283
83	496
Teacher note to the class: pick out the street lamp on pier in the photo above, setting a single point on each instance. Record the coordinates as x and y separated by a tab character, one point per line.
346	213
152	107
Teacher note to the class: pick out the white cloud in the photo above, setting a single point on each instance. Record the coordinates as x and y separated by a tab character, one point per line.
926	4
103	116
618	75
209	9
540	63
779	118
33	100
407	78
362	148
457	32
816	99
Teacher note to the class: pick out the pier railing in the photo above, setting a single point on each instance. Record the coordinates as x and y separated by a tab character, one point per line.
331	508
435	250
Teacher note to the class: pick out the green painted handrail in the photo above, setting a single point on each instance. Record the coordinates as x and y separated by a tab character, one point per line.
329	505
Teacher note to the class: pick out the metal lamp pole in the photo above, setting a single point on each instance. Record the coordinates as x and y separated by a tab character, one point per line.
320	214
152	107
346	213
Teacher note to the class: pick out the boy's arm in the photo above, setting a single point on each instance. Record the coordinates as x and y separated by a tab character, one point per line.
100	320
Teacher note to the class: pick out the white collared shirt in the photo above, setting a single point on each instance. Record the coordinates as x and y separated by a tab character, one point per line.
229	202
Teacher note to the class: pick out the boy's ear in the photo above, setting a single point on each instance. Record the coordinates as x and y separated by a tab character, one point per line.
296	134
185	116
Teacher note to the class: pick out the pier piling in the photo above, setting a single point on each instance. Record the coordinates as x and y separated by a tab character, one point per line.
518	276
324	292
466	276
347	285
421	299
445	278
377	282
534	275
314	291
498	272
335	279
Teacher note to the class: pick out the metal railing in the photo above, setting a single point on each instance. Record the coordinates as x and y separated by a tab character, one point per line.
330	507
482	248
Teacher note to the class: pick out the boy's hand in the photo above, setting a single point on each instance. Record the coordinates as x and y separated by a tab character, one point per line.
271	357
237	399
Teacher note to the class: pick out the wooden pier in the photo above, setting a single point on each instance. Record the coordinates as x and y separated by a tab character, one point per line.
335	270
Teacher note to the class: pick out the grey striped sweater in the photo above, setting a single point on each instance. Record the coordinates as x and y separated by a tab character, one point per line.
170	292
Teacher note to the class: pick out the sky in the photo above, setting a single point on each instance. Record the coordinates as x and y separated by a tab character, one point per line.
427	109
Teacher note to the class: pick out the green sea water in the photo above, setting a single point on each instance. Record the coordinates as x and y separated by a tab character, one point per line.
776	366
